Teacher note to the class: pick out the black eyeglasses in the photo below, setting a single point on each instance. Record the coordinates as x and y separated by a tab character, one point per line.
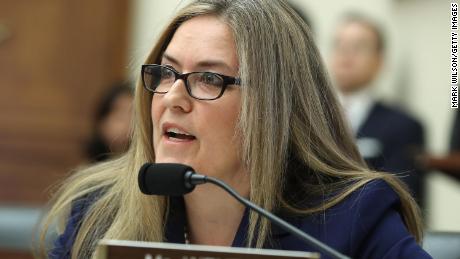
200	85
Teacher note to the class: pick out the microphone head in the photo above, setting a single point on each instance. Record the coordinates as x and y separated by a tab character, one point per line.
164	179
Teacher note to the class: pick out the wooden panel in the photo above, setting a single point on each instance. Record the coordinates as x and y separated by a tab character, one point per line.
55	61
15	254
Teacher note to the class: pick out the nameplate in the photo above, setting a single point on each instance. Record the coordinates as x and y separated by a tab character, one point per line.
122	249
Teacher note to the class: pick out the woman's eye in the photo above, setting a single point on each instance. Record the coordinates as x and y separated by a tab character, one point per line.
166	73
210	79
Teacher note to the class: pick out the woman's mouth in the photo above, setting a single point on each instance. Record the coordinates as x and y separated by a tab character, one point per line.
176	134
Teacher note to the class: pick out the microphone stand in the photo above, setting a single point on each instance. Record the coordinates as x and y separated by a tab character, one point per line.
199	179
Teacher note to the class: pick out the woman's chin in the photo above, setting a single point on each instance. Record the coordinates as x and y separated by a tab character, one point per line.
174	160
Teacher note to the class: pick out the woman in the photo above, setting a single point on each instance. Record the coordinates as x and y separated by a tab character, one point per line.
261	116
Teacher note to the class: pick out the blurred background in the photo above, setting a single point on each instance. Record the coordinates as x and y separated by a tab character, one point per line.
61	60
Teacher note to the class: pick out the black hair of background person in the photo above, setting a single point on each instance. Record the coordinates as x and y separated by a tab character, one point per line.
376	28
455	139
96	148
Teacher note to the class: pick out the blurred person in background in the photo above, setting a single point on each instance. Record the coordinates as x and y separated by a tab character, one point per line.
111	124
387	138
449	164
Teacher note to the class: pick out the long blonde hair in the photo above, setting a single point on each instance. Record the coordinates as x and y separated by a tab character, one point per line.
289	114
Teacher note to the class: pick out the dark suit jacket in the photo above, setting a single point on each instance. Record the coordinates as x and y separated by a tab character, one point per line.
367	224
400	138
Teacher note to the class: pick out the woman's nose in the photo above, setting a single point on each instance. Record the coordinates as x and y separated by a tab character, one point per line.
177	98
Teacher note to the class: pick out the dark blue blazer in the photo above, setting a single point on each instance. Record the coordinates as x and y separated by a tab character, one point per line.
401	138
367	224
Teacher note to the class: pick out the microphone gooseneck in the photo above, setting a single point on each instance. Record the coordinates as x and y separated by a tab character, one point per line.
182	179
279	222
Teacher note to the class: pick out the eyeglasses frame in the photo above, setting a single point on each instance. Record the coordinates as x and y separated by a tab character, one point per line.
227	80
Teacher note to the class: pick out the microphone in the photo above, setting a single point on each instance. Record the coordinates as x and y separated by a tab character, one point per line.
167	179
172	179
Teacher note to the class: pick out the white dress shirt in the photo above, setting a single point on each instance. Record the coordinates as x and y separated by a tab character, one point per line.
357	107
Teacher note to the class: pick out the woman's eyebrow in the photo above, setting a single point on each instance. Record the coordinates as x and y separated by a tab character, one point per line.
170	58
201	64
214	64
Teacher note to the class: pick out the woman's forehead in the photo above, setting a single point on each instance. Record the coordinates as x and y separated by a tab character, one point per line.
203	41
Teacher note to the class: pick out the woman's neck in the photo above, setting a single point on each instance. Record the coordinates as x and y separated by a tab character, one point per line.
213	215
